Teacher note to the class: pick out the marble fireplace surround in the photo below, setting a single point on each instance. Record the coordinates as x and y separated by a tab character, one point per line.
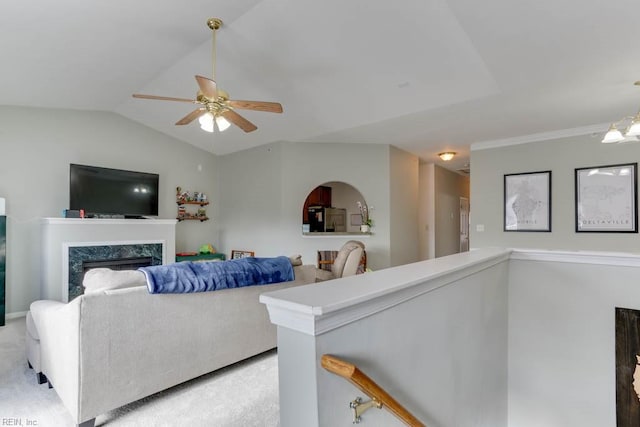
75	254
59	235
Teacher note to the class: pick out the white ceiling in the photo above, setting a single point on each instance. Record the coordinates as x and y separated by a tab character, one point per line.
423	75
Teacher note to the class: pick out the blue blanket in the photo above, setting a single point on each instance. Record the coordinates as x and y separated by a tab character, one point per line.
188	276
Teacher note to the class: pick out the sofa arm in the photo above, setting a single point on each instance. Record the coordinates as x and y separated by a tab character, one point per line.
305	274
322	275
58	326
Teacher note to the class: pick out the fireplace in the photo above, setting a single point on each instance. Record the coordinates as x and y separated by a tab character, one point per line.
67	242
126	256
118	263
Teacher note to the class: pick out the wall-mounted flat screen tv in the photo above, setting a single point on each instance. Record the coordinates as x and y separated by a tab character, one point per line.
105	191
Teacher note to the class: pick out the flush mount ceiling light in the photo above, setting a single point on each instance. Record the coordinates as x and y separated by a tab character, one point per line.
632	130
447	155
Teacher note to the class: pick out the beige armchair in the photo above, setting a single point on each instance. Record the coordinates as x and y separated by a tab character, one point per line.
346	262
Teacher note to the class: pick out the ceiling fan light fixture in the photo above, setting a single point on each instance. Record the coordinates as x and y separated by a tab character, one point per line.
215	108
447	155
206	122
222	123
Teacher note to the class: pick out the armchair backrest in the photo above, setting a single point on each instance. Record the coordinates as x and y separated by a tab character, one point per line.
348	259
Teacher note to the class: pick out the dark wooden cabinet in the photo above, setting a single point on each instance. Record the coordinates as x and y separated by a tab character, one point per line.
320	196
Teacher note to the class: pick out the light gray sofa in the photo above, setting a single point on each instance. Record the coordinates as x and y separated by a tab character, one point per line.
110	347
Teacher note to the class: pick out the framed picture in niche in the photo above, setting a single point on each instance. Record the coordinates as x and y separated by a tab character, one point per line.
356	219
235	254
606	199
527	201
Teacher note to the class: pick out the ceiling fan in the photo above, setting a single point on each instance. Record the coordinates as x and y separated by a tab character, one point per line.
216	109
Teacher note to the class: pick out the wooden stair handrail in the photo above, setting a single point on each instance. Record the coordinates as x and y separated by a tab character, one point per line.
369	387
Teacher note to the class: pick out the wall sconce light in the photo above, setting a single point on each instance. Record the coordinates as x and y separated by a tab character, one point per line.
633	129
447	155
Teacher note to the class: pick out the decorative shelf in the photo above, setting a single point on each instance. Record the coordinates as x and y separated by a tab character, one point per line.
335	233
191	202
191	218
193	199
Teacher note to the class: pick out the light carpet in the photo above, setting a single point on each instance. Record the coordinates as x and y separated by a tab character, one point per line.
244	394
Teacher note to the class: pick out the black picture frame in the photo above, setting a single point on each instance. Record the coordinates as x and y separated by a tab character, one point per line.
236	254
606	199
527	202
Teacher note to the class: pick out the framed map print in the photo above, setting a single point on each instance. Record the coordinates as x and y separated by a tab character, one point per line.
527	201
606	199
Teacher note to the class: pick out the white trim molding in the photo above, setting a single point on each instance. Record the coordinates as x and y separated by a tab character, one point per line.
322	307
578	257
542	136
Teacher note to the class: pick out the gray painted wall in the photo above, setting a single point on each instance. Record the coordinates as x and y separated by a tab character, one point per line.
403	192
561	156
427	212
449	187
36	148
439	210
263	191
562	341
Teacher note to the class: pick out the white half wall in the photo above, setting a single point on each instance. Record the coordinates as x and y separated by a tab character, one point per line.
432	333
490	337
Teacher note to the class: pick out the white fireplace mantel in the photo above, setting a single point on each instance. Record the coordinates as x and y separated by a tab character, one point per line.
58	234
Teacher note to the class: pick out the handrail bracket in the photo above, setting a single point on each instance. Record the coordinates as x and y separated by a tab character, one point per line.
359	407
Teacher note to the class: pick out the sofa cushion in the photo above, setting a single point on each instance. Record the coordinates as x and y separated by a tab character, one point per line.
102	279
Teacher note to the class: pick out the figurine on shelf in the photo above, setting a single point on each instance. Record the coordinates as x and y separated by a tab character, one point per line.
202	212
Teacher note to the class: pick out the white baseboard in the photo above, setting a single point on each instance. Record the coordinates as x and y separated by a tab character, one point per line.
16	315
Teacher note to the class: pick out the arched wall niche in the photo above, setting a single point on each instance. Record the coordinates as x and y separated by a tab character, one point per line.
332	207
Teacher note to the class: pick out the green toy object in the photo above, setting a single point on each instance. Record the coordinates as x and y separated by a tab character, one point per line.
207	249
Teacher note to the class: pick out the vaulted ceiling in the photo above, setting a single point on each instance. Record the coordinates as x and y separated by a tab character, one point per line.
423	75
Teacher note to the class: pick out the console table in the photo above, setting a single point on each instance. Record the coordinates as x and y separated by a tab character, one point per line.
201	257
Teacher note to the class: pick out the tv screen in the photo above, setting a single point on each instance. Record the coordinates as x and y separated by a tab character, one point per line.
104	191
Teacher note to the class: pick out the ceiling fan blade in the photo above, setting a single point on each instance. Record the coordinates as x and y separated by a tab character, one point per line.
163	98
208	87
269	107
239	121
191	116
